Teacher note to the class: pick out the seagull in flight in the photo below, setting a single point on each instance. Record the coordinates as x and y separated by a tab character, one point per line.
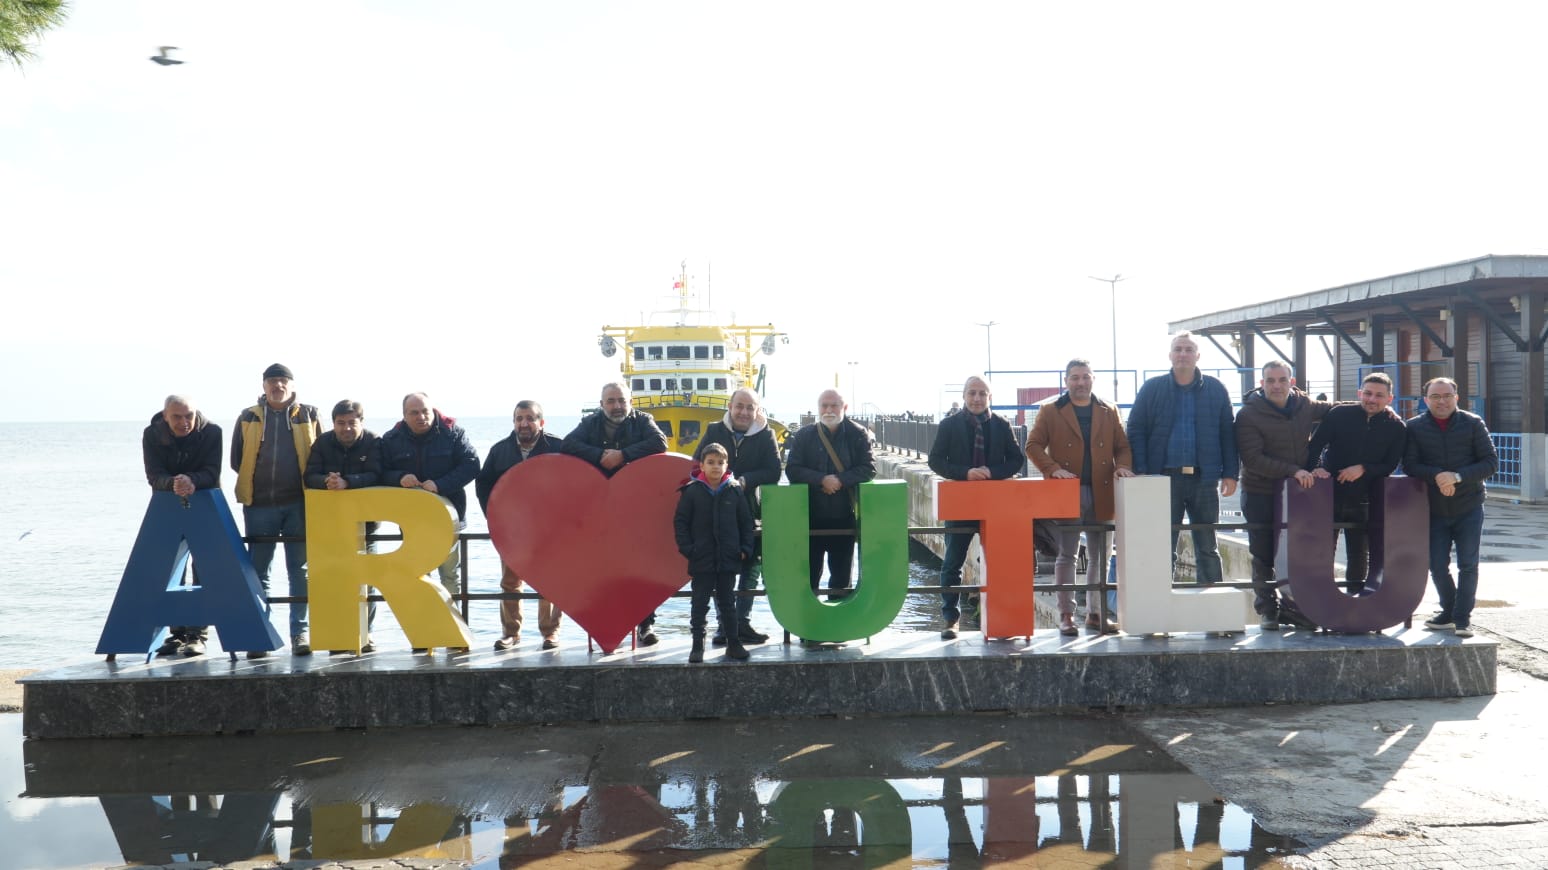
163	59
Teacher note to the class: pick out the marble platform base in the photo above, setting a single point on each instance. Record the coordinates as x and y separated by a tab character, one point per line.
897	673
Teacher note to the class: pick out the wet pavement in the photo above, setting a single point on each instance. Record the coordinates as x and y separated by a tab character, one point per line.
942	791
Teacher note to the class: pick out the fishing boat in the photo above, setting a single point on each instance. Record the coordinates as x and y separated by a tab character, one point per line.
683	368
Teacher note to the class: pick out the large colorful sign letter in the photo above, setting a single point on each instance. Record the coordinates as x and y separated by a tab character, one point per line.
787	563
1005	510
340	568
1397	529
1147	603
151	597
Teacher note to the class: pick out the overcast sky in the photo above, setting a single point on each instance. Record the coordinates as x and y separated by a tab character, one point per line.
456	196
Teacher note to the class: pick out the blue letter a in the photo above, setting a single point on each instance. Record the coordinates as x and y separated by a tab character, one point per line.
151	597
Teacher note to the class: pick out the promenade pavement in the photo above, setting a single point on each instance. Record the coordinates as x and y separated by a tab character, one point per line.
1401	784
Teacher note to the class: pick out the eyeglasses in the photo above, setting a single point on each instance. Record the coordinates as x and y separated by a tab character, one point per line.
1441	397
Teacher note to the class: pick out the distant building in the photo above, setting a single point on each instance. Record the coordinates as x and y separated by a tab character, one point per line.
1480	322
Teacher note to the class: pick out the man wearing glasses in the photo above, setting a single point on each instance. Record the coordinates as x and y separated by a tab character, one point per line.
1450	450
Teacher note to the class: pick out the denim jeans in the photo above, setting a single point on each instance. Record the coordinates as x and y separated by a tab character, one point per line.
951	567
281	520
1263	544
1200	500
1466	532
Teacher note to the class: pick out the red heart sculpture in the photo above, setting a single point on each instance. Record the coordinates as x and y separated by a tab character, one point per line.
601	548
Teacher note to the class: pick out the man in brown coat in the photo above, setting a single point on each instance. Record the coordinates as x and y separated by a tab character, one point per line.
1273	432
1081	436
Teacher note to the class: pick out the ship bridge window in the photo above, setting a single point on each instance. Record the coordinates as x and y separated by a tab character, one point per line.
677	351
703	383
720	383
655	383
720	351
671	383
689	432
701	351
665	426
639	353
655	352
637	385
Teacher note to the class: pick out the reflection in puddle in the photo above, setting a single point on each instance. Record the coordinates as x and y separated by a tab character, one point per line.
961	792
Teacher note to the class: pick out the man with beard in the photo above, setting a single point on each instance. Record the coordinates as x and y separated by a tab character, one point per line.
611	439
975	445
270	447
428	450
348	457
746	435
1081	437
1273	431
832	458
1364	445
182	455
526	440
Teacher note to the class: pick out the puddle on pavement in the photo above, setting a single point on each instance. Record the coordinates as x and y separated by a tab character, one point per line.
961	791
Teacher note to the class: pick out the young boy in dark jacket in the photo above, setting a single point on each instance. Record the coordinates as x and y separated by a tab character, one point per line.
715	534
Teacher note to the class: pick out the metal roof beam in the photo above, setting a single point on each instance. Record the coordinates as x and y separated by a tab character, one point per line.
1428	332
1361	352
1235	363
1489	314
1294	363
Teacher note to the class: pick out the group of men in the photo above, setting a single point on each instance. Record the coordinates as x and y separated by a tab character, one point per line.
1182	426
279	449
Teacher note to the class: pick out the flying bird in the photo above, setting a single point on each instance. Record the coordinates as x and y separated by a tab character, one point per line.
163	59
25	534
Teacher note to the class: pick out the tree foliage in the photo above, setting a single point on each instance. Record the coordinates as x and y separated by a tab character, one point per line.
22	22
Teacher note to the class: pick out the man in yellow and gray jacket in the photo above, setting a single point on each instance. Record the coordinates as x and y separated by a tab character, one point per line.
270	446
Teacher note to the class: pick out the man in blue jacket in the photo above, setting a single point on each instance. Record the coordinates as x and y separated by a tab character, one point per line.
1180	426
348	457
1451	451
429	451
975	444
613	438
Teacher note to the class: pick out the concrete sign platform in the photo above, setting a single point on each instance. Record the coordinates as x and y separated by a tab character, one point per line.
897	673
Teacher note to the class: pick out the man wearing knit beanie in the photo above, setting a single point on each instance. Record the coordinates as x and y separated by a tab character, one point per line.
270	446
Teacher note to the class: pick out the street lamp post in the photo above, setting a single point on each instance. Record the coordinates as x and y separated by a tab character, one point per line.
988	346
853	364
1112	285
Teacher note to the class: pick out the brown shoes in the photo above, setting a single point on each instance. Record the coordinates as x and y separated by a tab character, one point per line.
1097	623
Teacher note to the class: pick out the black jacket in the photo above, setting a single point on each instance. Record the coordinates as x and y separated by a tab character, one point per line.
1352	437
360	463
442	454
809	464
714	529
505	455
637	436
755	461
1464	448
196	455
952	453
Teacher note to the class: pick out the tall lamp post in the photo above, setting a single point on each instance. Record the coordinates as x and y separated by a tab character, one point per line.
854	364
988	346
1112	285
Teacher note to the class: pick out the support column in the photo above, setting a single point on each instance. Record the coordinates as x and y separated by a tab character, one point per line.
1249	362
1534	445
1461	371
1376	326
1302	362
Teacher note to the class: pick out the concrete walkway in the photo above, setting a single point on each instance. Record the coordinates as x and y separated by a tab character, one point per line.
1443	784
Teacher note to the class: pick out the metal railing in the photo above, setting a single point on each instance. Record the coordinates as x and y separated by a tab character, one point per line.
1507	446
